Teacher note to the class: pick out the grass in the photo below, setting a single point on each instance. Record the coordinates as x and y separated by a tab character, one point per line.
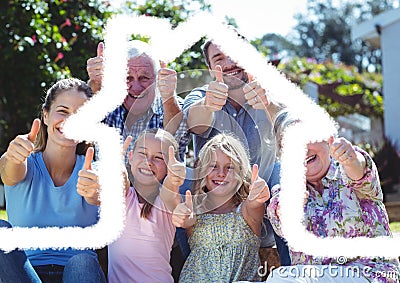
395	227
3	214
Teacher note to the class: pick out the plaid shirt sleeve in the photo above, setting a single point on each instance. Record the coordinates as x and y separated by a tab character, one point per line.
116	119
182	135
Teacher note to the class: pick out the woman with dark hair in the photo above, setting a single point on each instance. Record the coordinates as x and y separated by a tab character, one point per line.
46	187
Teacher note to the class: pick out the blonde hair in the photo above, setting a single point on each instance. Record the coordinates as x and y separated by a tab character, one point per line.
235	150
163	136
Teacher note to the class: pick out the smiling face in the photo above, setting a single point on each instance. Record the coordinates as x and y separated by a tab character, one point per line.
317	161
65	104
221	179
147	162
234	76
141	84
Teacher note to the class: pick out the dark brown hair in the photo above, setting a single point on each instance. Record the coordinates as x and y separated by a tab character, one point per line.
52	93
207	44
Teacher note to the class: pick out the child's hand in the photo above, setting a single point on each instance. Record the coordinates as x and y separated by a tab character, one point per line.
176	170
88	181
183	212
258	190
22	146
342	150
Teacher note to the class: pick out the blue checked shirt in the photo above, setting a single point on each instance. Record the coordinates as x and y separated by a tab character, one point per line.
153	118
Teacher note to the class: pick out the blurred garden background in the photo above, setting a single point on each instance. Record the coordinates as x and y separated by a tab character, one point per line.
43	41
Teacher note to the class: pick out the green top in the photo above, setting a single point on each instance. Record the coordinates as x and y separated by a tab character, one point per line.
223	249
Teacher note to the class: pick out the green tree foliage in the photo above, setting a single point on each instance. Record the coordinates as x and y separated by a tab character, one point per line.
274	46
323	32
41	42
176	12
354	92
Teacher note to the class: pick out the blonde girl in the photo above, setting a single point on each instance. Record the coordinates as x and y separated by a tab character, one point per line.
223	221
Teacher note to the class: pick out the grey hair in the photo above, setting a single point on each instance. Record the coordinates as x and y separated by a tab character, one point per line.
283	119
137	48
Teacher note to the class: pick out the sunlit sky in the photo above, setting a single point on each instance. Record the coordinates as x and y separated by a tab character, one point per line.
254	17
258	17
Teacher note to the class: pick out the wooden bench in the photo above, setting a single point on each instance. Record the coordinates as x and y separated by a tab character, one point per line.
269	258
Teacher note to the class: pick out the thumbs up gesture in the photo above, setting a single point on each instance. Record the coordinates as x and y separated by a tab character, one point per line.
353	162
258	190
217	92
166	82
342	150
183	216
22	146
176	171
95	68
255	95
88	181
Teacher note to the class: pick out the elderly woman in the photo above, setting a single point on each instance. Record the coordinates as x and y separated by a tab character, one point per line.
343	188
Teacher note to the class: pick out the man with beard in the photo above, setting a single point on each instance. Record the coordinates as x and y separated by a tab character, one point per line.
236	103
145	106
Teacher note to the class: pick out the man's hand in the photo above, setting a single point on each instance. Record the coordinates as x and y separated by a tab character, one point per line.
217	92
255	95
95	69
166	82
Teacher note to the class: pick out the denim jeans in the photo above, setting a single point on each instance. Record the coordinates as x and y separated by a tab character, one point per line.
15	267
180	234
280	242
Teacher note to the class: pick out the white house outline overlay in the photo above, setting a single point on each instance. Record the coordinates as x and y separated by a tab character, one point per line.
84	125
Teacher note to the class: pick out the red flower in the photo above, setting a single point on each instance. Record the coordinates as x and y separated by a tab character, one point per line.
66	23
59	57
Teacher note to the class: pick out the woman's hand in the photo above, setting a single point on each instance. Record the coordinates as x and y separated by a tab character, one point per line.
88	181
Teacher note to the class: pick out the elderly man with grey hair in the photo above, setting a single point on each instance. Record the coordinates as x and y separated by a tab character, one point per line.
151	101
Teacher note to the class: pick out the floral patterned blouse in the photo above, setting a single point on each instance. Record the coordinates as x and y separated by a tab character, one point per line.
346	208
